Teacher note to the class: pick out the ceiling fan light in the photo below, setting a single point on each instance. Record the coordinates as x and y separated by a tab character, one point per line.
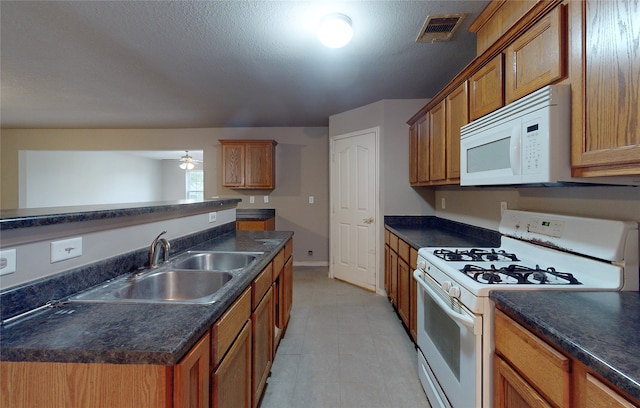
187	162
187	166
335	30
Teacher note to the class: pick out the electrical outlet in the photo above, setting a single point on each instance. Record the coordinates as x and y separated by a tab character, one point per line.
252	199
66	249
503	206
311	199
266	199
212	216
443	203
7	261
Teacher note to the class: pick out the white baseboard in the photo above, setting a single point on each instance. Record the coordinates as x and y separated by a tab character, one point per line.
310	263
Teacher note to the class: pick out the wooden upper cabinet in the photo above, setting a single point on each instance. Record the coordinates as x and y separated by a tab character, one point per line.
413	153
248	164
437	136
423	150
486	92
457	112
605	67
538	57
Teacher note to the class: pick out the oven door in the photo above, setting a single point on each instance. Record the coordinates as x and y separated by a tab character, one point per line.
450	347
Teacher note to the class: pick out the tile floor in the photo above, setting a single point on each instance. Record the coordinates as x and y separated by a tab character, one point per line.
344	348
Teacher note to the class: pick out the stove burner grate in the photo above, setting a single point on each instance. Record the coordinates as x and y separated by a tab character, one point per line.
518	274
475	254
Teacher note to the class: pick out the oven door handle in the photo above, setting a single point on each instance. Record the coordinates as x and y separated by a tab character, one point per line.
465	319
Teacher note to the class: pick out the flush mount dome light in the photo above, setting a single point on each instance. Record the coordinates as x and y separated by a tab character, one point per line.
335	30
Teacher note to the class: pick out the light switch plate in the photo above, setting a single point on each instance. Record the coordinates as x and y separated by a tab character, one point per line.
252	199
66	249
7	261
266	199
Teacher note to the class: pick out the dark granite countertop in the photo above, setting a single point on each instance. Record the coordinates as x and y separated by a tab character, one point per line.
600	329
37	217
133	333
255	214
428	231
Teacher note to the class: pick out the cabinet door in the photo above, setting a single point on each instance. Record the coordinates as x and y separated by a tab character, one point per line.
437	136
387	269
413	153
287	291
233	163
538	57
191	385
605	67
232	379
511	390
259	166
413	296
262	340
403	291
423	149
393	268
457	110
486	92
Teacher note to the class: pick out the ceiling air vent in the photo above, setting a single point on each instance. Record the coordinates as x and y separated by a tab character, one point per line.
439	27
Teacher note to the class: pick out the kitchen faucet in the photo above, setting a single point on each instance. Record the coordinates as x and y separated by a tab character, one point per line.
154	255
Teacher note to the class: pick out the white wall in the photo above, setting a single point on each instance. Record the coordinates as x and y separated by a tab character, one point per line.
481	206
60	178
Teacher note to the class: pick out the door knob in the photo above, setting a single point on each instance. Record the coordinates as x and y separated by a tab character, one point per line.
368	220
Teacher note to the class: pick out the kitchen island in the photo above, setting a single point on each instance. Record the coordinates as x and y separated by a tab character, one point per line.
597	330
165	354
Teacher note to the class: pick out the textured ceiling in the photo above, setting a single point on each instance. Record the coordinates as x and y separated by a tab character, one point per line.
147	64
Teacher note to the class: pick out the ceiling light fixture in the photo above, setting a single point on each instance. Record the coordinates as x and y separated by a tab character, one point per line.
187	162
335	30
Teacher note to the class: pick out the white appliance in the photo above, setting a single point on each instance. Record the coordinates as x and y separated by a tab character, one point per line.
537	252
527	141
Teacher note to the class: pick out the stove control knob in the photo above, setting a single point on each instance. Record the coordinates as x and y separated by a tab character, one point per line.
422	265
454	292
446	285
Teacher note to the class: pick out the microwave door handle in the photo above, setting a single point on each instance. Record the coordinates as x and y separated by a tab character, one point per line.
459	317
514	150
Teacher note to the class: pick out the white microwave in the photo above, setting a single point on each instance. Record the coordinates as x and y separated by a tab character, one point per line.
527	141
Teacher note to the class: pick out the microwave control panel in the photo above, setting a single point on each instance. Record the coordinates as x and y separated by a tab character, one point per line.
531	149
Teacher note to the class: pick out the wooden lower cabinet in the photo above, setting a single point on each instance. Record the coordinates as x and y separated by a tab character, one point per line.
256	225
413	296
64	385
529	372
191	382
231	381
511	390
262	344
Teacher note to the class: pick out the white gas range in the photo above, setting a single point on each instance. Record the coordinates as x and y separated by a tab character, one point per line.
537	252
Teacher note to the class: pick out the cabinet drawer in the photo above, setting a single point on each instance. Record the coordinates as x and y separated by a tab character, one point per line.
403	250
278	263
393	242
226	329
542	366
261	285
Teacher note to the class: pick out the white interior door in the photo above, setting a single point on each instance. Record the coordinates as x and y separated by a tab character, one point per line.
354	181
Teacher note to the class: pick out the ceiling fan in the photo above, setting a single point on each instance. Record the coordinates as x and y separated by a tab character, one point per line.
187	162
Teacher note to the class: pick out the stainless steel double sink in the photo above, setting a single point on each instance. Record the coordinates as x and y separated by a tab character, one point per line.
195	277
